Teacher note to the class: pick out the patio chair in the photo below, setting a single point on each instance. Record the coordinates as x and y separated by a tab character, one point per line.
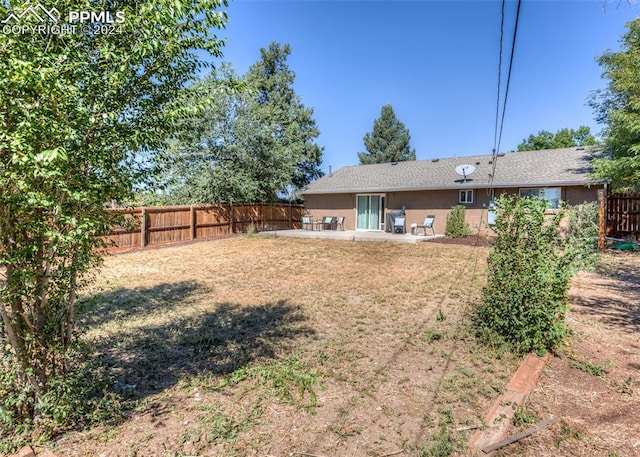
398	225
428	224
307	223
329	223
340	223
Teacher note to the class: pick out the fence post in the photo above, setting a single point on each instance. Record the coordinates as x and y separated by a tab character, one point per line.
192	222
231	218
143	228
602	218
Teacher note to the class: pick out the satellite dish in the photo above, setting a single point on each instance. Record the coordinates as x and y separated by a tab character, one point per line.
465	170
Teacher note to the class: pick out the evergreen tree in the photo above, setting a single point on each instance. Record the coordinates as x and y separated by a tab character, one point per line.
281	130
388	142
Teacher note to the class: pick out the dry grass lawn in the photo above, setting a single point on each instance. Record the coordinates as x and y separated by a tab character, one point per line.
252	346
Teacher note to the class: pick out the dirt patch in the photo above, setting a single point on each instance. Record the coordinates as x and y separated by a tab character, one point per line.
593	386
367	340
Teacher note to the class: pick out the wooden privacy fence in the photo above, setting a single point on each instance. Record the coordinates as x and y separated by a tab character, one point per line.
623	216
160	225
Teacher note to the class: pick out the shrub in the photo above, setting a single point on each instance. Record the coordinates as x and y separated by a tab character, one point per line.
74	399
525	300
582	240
457	225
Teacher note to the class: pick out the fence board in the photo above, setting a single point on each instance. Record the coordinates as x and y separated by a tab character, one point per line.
173	224
623	215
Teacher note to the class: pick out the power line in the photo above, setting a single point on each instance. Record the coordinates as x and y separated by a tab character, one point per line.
495	132
506	93
496	148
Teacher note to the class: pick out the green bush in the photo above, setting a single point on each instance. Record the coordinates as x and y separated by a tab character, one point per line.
457	225
525	300
582	239
75	399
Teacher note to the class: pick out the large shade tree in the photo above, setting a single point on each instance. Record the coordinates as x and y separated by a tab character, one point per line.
618	108
245	146
75	109
389	141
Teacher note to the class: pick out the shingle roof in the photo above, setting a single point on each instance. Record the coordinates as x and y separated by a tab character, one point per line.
549	167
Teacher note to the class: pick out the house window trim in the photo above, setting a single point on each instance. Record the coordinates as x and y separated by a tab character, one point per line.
466	193
540	189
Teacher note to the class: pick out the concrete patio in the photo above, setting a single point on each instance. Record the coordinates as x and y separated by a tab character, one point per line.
352	235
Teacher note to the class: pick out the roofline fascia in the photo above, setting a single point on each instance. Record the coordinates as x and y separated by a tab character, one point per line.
460	187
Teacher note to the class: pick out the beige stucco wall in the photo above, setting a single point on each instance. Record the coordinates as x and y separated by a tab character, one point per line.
419	204
338	205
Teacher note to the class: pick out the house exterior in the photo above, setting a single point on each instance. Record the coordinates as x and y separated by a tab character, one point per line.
365	194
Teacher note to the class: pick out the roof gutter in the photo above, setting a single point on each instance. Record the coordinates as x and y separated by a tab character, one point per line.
454	187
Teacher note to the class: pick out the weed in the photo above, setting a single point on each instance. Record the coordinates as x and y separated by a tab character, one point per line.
445	442
220	426
588	367
280	377
567	433
440	317
432	335
627	386
251	230
524	416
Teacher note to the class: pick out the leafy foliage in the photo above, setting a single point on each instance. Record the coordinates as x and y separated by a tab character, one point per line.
244	145
618	107
78	397
75	111
563	138
457	225
582	239
388	142
525	300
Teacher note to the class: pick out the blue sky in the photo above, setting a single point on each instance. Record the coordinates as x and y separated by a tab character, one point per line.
436	62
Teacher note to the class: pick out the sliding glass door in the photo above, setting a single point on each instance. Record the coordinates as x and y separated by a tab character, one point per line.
370	209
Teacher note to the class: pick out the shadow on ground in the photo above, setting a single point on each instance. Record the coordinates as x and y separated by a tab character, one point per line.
154	356
617	306
125	303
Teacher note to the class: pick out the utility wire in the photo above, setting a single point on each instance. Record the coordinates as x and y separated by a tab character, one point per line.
495	132
506	94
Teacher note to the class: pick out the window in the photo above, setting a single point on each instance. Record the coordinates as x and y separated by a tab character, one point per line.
550	194
369	212
466	196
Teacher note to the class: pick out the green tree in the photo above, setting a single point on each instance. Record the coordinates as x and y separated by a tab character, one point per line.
75	111
618	107
563	138
388	142
246	146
